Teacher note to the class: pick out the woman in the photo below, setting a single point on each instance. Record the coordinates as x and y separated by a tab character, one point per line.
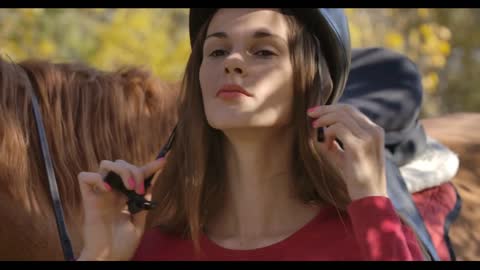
246	178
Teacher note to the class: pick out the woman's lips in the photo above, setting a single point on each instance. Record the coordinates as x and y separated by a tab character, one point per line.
232	91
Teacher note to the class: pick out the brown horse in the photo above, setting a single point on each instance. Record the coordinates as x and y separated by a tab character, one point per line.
461	133
91	115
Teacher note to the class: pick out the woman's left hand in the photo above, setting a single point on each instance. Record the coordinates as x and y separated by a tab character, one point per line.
361	161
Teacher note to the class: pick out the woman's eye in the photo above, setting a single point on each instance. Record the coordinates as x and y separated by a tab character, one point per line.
264	53
217	53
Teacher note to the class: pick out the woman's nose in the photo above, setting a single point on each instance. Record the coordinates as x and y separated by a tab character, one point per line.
235	70
234	64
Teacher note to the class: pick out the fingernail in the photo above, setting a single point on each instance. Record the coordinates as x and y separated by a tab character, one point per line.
311	109
131	183
107	186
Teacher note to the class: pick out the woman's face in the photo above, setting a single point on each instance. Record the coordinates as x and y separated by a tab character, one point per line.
246	73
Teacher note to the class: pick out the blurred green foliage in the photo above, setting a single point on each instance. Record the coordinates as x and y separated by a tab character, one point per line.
443	42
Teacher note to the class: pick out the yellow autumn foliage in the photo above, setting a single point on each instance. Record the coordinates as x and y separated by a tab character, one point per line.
394	40
408	31
105	38
157	38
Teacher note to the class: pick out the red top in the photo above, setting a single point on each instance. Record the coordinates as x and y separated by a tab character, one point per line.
371	230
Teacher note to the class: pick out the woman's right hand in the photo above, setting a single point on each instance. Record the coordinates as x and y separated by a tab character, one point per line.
110	232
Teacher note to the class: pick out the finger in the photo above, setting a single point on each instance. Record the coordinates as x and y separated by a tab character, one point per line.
368	128
339	116
360	116
317	111
371	128
151	168
323	109
90	181
338	130
331	152
375	135
139	219
137	175
329	148
124	173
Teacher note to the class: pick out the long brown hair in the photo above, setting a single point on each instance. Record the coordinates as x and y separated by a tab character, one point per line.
192	187
89	115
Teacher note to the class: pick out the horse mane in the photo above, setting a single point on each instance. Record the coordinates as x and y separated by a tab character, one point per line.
89	115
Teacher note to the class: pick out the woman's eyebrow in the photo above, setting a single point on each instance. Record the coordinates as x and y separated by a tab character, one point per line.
217	35
264	34
257	34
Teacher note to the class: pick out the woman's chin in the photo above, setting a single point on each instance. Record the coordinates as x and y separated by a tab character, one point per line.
228	120
229	125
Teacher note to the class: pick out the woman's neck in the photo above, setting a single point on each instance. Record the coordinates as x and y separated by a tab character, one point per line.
260	201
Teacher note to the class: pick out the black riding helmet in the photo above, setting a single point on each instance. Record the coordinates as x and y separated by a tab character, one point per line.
328	24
